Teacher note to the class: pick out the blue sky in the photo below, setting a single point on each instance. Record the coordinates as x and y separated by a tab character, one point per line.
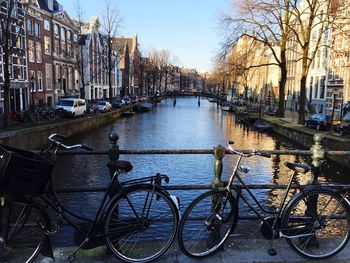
188	28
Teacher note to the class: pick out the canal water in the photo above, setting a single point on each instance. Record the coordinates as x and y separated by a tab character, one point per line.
184	126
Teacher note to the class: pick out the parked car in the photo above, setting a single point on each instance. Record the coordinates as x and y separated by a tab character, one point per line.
319	121
118	103
71	107
344	128
126	99
103	106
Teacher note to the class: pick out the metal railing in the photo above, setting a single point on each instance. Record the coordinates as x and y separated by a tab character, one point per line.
316	152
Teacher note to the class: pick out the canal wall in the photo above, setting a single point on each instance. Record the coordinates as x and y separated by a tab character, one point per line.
304	137
36	136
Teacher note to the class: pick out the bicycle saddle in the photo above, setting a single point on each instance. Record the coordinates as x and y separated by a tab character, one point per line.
298	167
120	165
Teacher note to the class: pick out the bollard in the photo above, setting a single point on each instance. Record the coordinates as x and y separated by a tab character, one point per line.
219	153
113	151
317	154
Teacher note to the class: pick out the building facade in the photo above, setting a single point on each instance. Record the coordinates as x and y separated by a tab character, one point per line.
19	88
93	63
52	45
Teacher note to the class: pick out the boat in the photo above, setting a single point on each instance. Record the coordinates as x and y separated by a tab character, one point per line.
128	113
261	125
226	106
144	107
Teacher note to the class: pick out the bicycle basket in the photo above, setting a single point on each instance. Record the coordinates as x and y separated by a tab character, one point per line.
23	172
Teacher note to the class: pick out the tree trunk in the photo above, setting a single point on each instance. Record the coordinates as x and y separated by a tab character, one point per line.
302	100
282	85
110	68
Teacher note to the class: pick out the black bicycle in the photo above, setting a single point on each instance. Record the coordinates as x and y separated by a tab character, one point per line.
315	221
137	219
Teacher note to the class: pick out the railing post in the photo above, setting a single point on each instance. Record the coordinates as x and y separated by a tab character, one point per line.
113	155
113	151
317	154
219	153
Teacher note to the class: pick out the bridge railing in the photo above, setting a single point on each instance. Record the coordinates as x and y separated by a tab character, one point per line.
317	153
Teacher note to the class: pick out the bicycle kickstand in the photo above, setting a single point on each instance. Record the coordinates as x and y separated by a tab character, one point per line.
71	256
271	251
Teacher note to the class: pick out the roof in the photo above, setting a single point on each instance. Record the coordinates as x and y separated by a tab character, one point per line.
120	43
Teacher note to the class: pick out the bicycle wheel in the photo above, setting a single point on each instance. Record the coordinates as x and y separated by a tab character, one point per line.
207	223
317	223
37	117
21	236
141	224
52	116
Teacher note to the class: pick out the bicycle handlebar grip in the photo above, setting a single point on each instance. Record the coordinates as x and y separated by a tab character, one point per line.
265	154
231	142
85	147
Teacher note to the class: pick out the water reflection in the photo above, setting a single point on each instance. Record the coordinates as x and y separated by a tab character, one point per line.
185	126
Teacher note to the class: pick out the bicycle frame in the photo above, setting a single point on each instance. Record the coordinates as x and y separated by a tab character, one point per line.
277	213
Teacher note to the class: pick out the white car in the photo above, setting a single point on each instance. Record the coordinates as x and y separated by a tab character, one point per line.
103	106
71	107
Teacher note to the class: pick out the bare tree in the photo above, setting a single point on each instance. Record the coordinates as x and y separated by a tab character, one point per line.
166	67
11	30
267	22
110	25
311	20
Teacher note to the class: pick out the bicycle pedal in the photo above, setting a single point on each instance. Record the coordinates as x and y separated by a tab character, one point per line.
272	251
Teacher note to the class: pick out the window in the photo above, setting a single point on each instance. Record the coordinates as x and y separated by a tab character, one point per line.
47	45
318	58
37	30
46	25
323	87
63	48
69	35
63	34
30	27
324	57
57	47
39	55
32	80
56	31
40	81
58	73
48	69
31	50
316	88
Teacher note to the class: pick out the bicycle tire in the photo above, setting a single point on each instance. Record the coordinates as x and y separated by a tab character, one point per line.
37	117
135	235
202	232
21	234
52	116
317	233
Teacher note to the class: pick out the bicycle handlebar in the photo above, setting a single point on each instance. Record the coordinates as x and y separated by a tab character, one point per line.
68	147
247	154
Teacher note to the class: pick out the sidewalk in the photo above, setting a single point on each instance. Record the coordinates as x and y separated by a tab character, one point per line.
244	247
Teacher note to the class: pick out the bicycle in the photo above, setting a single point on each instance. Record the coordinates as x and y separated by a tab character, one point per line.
136	219
315	221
